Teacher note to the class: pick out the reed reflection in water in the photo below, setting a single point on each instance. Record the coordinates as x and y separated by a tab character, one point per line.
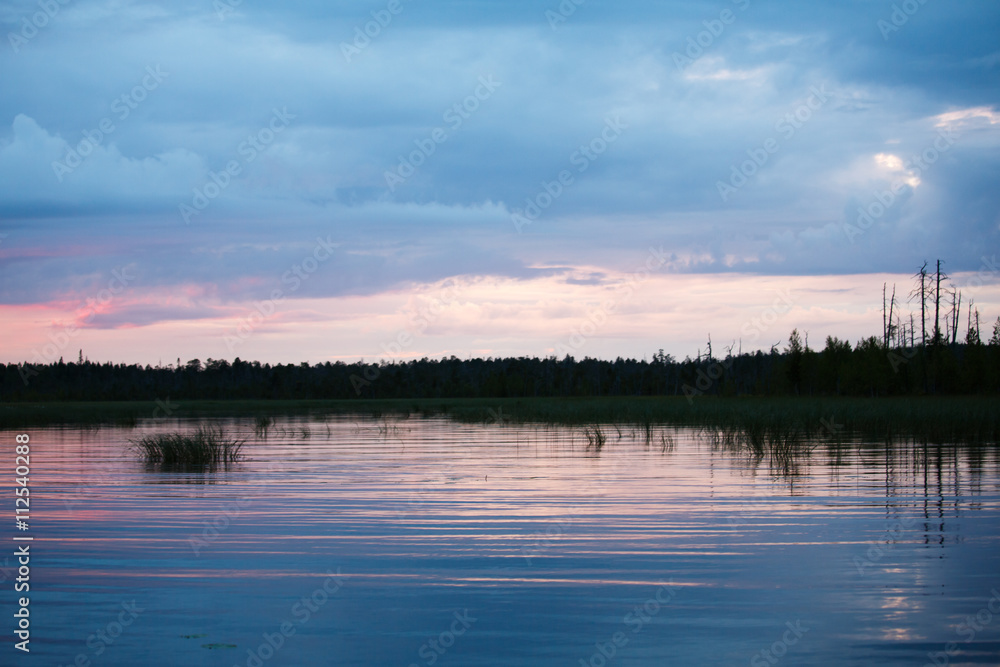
423	541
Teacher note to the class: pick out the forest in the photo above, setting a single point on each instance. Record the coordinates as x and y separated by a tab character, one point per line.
920	355
869	368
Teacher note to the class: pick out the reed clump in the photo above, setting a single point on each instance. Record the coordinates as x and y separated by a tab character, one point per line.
934	419
595	437
208	446
261	424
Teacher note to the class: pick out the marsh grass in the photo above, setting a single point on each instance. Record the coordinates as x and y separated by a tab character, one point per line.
667	443
769	422
127	421
387	428
595	437
207	447
261	425
764	421
782	448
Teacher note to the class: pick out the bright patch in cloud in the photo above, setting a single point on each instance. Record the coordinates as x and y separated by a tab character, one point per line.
895	166
967	117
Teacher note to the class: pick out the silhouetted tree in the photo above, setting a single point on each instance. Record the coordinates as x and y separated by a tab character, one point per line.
888	328
956	309
938	336
920	292
794	352
972	337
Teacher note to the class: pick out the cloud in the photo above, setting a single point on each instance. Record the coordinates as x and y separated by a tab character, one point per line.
352	121
45	174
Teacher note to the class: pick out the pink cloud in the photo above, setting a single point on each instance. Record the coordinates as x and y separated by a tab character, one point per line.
478	317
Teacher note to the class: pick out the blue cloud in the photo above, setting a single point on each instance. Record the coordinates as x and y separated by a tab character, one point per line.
688	126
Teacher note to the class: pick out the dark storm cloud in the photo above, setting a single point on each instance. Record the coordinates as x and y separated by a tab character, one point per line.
697	88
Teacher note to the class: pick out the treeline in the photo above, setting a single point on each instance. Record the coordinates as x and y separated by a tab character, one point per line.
911	357
870	368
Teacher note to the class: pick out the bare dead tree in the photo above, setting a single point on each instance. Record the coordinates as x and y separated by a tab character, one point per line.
920	292
892	306
888	327
885	325
956	308
937	306
938	338
972	337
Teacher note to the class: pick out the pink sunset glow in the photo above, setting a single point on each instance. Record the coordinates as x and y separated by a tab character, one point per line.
615	314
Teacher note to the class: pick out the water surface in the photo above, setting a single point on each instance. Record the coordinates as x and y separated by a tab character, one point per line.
351	541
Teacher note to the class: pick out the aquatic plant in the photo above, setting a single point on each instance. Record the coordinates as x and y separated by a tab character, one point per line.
261	424
595	437
208	446
386	427
127	421
934	419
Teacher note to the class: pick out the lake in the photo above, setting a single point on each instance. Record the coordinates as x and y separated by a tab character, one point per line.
423	541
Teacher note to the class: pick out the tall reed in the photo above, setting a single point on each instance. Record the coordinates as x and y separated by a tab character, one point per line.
208	446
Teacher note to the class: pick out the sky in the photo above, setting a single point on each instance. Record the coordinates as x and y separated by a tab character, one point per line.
321	181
